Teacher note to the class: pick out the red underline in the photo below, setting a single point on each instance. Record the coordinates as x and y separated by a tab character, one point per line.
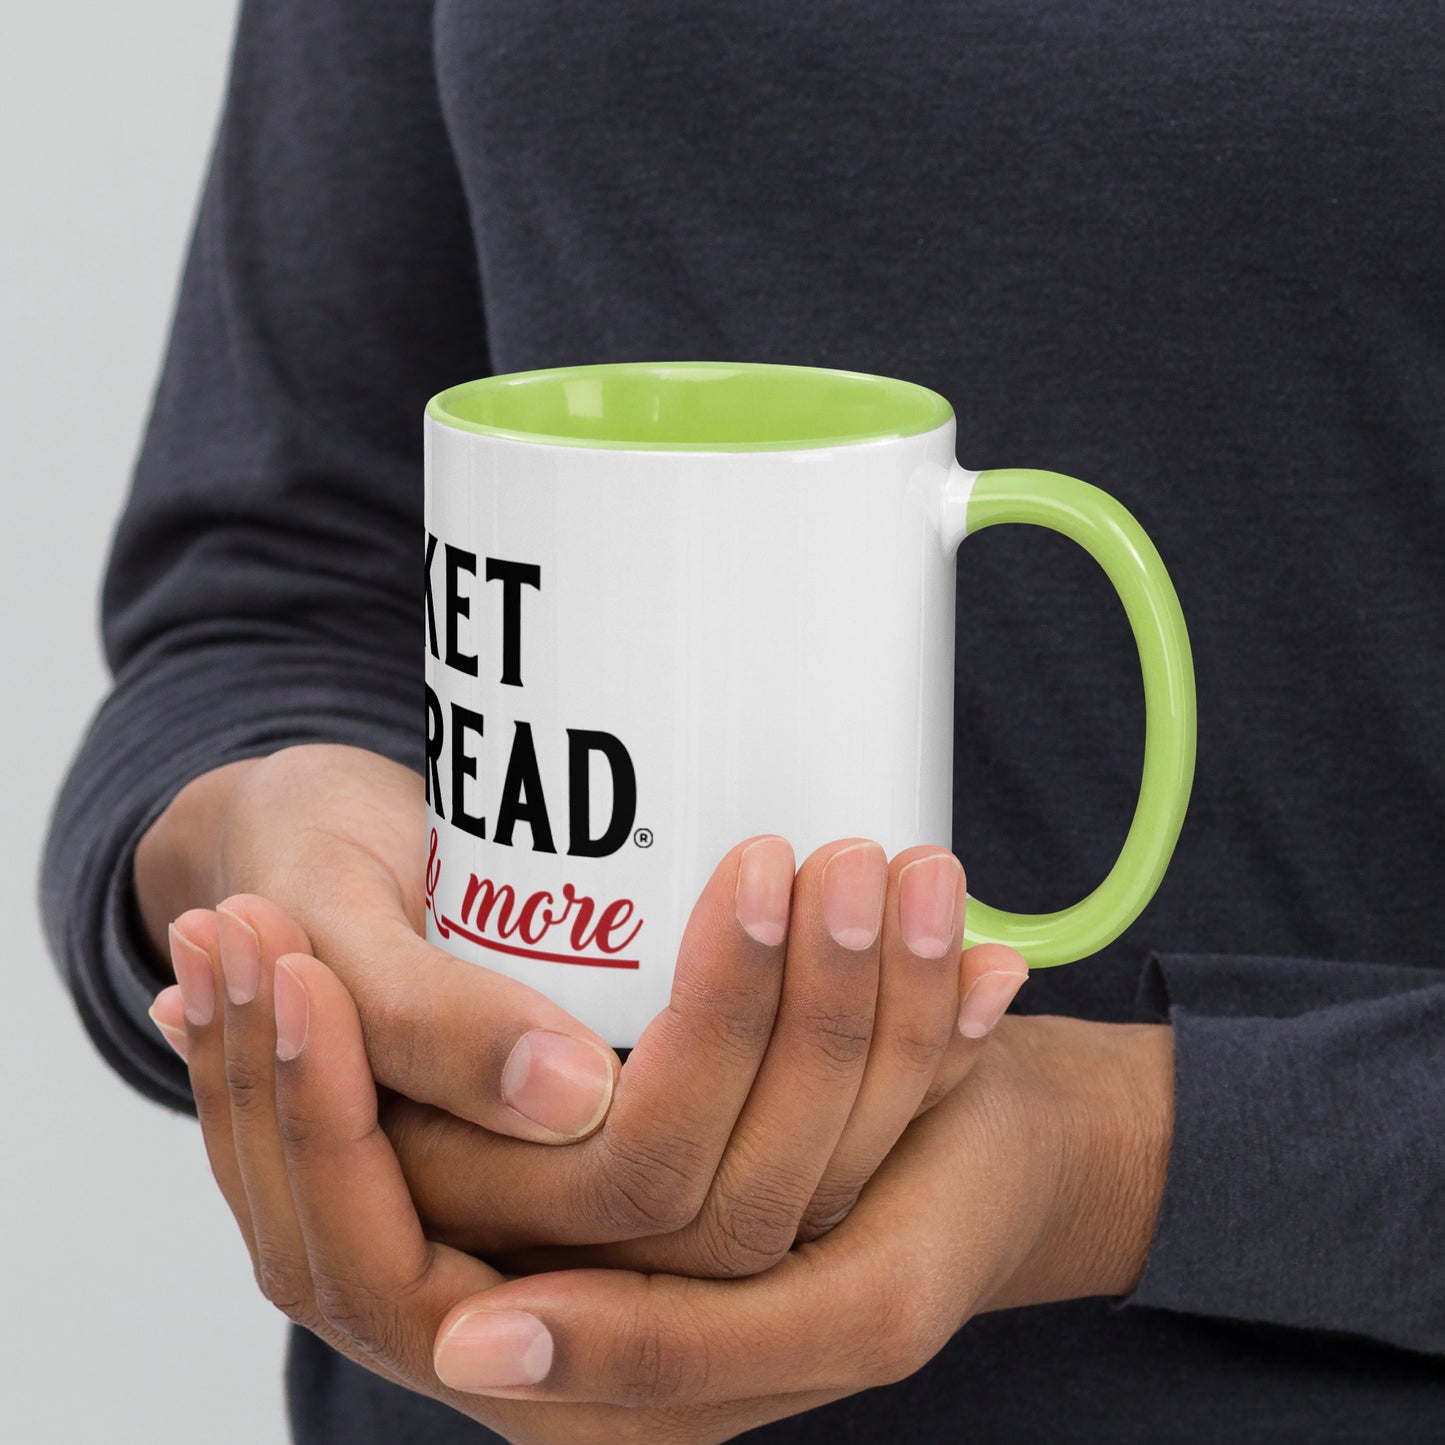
537	953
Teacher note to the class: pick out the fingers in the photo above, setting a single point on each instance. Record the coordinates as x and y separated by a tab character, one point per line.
697	1063
829	1320
330	834
374	1277
661	1342
451	1033
231	1063
168	1014
677	1102
726	1143
196	960
914	1022
729	1108
947	1214
807	1141
288	1108
363	1277
805	1089
990	976
253	933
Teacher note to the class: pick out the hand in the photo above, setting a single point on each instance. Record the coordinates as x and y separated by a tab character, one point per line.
758	1104
755	1107
1039	1181
332	836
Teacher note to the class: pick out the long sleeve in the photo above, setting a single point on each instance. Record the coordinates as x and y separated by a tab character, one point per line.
1306	1181
262	588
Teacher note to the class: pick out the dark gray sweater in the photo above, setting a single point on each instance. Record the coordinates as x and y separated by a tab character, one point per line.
1190	252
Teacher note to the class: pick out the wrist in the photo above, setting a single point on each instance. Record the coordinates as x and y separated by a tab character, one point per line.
177	861
1104	1094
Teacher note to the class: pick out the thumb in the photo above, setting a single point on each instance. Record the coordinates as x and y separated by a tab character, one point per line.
446	1032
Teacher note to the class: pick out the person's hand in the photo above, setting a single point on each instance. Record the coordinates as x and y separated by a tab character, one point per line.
1038	1181
758	1104
332	836
810	1020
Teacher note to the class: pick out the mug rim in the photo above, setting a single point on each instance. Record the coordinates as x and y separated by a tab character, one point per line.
798	408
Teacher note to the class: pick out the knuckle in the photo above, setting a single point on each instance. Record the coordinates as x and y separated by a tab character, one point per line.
249	1084
919	1046
650	1187
734	1018
349	1314
746	1236
301	1134
837	1039
304	1133
362	1314
653	1367
826	1212
213	1102
288	1286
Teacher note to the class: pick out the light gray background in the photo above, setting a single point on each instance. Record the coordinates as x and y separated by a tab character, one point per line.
127	1310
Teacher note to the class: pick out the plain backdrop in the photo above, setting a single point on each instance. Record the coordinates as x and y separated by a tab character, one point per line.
129	1313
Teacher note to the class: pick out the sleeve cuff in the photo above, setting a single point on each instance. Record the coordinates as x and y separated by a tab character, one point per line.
1308	1165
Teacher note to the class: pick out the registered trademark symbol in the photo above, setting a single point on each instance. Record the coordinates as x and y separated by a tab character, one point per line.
643	837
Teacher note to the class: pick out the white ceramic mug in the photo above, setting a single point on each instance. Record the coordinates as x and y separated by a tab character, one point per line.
673	605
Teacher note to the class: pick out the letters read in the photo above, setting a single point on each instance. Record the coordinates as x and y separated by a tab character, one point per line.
456	737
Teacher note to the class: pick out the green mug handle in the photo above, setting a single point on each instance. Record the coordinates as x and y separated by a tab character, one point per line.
1107	531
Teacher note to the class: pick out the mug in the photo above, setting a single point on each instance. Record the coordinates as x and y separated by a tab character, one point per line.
672	605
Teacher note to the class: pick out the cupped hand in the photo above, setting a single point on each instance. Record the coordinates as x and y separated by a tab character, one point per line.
331	836
804	1032
810	1020
1039	1181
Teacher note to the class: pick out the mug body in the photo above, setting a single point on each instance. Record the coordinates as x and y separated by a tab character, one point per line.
638	655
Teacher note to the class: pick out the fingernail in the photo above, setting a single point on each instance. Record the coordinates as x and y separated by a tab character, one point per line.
192	967
928	904
853	884
293	1013
987	1002
168	1015
240	957
765	888
562	1083
488	1350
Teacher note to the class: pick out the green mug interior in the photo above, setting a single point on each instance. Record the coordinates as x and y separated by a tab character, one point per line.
691	406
